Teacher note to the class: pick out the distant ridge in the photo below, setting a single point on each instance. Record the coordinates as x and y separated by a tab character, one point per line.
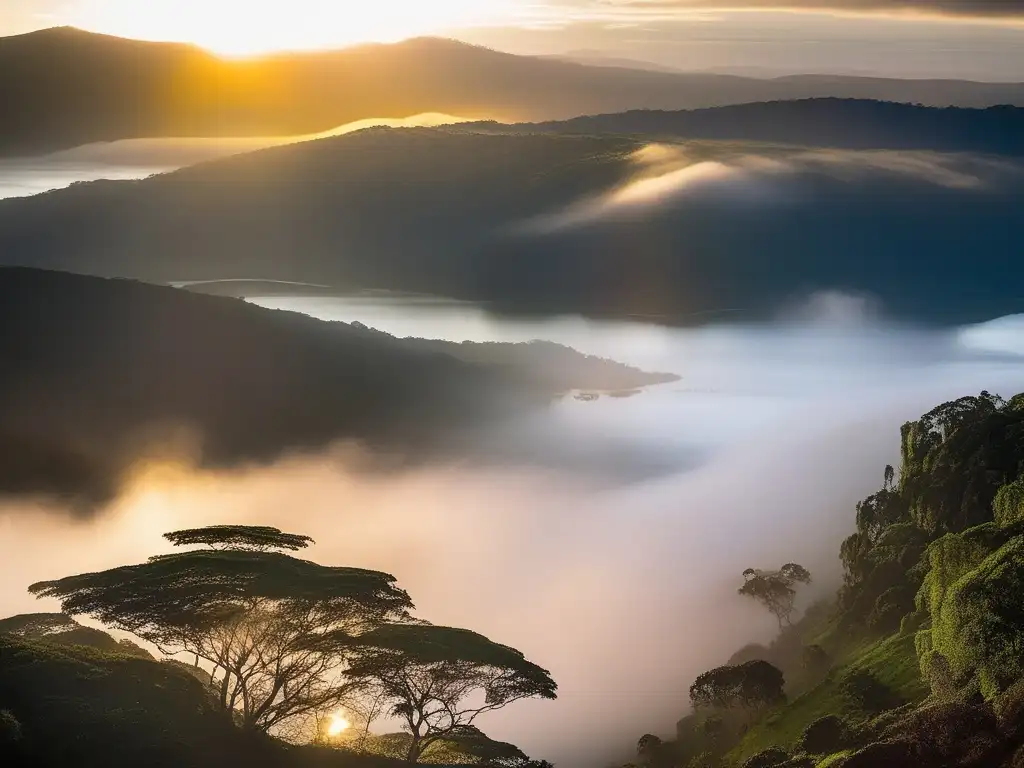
64	87
828	122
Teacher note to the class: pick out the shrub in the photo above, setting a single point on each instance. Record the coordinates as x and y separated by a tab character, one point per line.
978	624
953	733
867	692
824	736
1009	503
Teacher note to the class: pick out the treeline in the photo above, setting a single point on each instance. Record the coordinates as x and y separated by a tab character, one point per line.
918	660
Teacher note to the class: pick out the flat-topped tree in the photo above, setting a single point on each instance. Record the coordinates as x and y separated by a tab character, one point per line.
440	679
255	538
252	614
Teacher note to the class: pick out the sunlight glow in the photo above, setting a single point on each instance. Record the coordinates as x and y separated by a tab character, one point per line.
242	27
337	725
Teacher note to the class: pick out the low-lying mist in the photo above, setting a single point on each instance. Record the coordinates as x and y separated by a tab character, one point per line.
624	586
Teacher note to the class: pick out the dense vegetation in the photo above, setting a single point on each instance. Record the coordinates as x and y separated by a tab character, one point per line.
278	646
109	88
537	223
918	661
84	394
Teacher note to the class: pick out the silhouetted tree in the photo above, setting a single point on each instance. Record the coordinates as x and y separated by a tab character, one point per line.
751	685
251	613
775	589
440	679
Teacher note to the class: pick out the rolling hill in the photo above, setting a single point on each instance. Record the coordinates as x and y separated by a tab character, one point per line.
64	87
552	223
97	372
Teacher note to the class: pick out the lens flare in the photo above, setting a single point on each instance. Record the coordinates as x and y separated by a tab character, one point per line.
337	725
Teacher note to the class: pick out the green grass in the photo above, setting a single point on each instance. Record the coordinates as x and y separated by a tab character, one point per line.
893	660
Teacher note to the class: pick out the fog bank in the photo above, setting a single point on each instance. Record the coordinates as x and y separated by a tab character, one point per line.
624	588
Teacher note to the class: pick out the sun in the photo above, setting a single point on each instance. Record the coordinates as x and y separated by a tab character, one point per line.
337	725
245	28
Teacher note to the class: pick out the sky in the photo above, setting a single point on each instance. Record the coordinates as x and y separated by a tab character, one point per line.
976	39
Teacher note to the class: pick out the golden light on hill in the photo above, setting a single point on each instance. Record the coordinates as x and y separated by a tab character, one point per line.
243	28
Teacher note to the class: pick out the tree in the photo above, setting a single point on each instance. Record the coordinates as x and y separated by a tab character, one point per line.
760	685
775	589
717	688
431	673
253	614
253	538
751	685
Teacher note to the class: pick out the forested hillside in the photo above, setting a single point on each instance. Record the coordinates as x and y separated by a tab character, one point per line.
918	660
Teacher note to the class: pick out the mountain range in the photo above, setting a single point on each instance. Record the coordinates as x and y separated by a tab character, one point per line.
63	87
531	222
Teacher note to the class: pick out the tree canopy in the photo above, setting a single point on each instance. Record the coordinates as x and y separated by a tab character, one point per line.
431	673
259	538
775	589
251	614
750	685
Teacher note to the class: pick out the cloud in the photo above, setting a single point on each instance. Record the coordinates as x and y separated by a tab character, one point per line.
669	174
992	9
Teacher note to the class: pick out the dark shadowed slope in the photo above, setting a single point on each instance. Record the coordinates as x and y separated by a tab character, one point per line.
98	372
64	87
846	123
553	223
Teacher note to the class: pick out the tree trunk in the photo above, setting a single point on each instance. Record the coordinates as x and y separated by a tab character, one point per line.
413	755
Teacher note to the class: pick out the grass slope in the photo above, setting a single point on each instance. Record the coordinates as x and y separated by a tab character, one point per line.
892	660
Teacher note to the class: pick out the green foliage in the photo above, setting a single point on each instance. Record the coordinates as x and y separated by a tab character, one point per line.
1009	503
956	458
892	661
257	538
978	621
